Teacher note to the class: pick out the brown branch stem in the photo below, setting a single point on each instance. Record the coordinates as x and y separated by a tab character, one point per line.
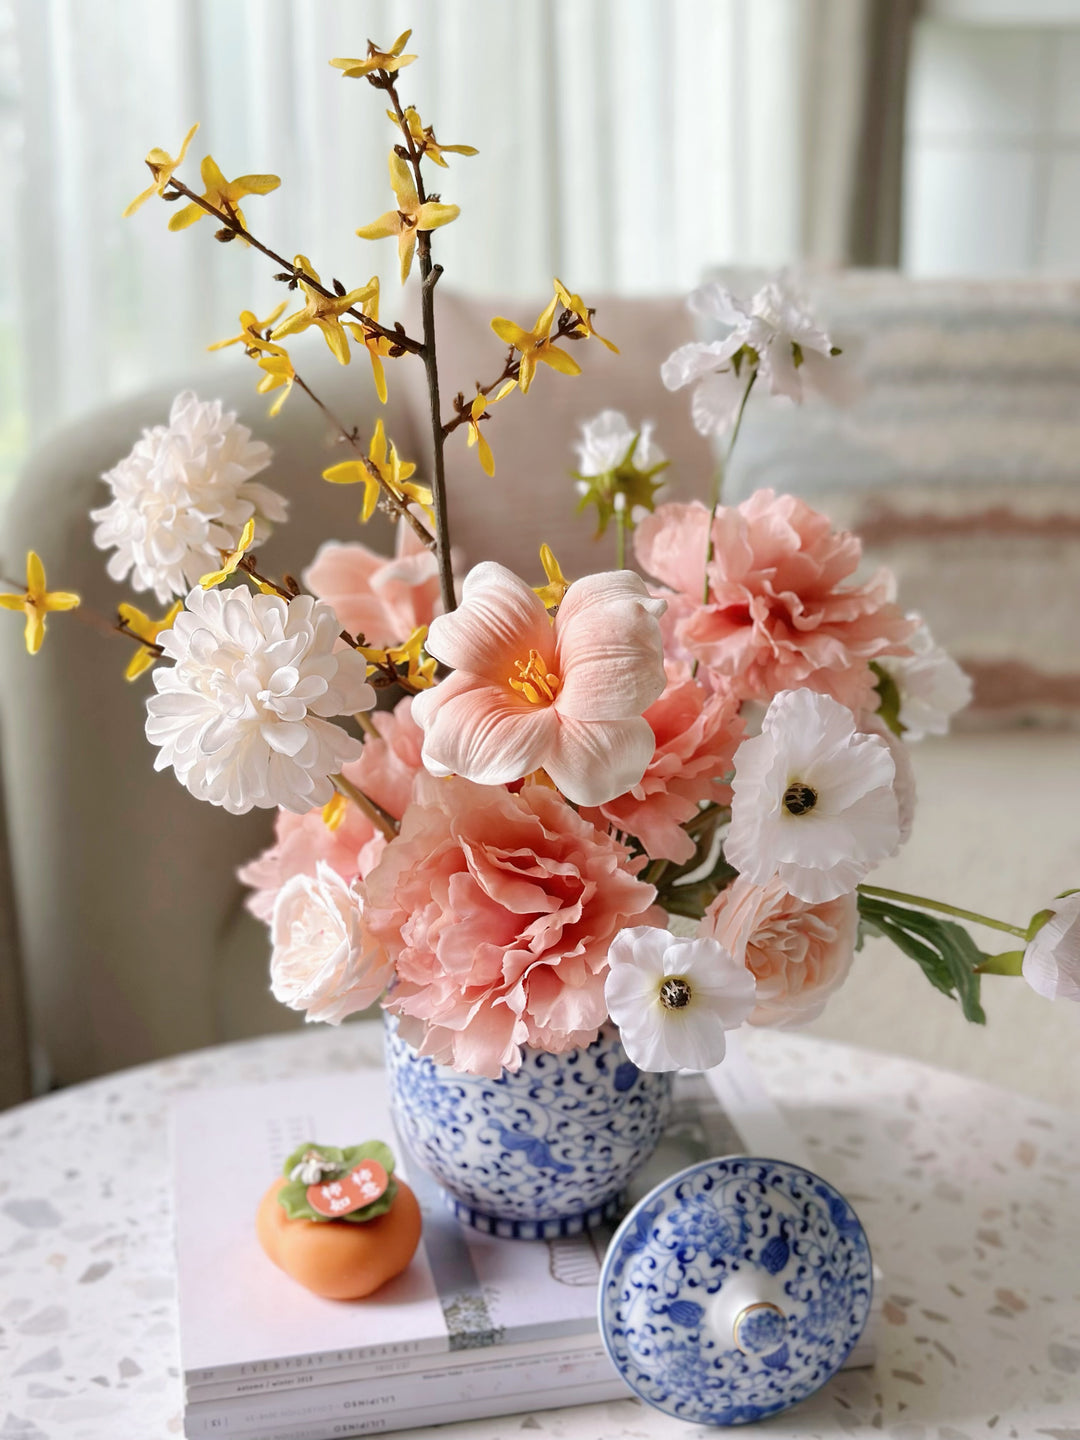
397	505
396	337
429	278
375	813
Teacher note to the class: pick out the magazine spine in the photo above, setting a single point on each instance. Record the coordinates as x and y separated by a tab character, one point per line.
453	1391
388	1368
414	1351
412	1418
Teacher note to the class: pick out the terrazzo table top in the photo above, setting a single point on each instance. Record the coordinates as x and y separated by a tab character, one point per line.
970	1196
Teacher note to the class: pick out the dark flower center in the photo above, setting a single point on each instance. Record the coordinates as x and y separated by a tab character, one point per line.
799	799
675	993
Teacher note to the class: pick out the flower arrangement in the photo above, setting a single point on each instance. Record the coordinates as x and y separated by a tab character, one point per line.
493	796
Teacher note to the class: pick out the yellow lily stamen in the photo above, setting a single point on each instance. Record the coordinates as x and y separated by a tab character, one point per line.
534	680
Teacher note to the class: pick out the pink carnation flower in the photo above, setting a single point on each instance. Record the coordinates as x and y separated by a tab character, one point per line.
779	614
497	911
385	772
528	694
798	953
383	600
697	734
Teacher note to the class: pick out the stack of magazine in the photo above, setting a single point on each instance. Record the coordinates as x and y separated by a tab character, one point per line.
475	1327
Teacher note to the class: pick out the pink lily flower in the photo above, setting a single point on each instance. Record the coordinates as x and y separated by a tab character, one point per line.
529	694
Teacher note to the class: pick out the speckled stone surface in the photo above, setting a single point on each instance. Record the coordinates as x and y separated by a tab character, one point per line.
970	1197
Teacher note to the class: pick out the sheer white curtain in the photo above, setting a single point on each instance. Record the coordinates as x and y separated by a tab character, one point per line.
625	145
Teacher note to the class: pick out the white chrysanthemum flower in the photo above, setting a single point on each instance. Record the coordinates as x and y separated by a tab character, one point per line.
323	961
1052	957
931	685
776	335
182	496
606	439
673	997
814	803
240	716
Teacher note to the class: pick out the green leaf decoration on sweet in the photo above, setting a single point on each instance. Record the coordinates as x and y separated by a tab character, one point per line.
943	950
292	1197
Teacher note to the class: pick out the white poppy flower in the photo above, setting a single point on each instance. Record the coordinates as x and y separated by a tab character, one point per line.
672	998
605	440
931	685
1052	957
323	962
814	802
241	714
182	496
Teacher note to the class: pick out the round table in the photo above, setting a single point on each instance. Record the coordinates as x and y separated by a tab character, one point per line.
970	1196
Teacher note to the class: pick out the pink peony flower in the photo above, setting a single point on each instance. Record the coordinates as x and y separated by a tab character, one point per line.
528	694
385	772
798	953
497	911
391	760
383	600
779	615
697	734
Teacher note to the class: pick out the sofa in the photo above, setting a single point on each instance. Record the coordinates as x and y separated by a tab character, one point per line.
134	938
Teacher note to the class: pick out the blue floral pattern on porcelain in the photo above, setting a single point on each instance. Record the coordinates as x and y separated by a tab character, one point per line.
734	1290
544	1152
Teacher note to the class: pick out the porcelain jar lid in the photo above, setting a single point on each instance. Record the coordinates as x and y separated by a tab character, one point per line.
734	1290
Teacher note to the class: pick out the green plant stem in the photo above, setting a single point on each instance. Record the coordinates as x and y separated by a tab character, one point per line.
922	902
718	481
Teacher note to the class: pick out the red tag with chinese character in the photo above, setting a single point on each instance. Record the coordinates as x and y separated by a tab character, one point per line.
360	1186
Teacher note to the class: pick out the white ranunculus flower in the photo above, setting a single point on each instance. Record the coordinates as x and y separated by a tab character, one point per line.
789	351
323	962
673	997
605	440
1052	957
182	496
241	715
931	685
814	803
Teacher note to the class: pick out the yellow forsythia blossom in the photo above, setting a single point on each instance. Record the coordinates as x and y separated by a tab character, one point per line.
138	623
37	602
223	194
383	461
577	306
325	311
409	218
230	559
552	593
251	331
161	165
535	345
423	138
376	345
389	60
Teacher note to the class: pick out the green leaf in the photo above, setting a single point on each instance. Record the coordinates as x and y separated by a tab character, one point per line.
944	951
292	1197
369	1150
328	1152
889	706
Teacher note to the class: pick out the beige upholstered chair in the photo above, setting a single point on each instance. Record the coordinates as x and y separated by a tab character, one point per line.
134	936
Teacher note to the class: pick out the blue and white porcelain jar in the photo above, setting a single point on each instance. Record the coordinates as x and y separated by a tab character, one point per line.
540	1153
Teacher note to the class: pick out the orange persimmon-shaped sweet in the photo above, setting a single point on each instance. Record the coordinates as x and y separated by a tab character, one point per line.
339	1259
